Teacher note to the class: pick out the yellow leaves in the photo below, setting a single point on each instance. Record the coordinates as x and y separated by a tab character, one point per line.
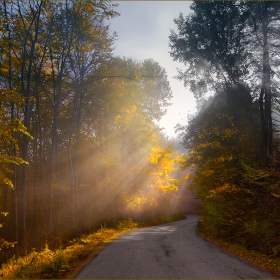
32	99
19	127
215	144
4	70
207	172
129	117
227	188
215	129
163	156
154	159
6	181
155	155
205	145
221	159
10	96
224	188
223	133
136	201
172	186
132	110
5	162
276	195
7	129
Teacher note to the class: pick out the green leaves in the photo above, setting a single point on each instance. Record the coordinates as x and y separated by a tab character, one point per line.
209	43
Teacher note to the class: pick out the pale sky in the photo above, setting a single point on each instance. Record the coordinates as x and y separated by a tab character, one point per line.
143	29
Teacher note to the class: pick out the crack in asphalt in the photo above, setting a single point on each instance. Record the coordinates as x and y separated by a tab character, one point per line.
165	250
238	273
206	262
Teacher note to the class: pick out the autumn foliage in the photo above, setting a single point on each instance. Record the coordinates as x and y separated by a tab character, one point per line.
228	50
79	143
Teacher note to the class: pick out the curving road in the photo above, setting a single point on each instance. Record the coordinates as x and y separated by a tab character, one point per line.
172	250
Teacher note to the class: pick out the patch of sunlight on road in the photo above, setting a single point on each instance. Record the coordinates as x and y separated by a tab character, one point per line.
139	235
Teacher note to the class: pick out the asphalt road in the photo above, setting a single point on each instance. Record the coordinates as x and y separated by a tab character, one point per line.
172	250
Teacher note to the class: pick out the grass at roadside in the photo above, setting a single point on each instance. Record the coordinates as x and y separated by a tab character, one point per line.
62	263
66	262
271	264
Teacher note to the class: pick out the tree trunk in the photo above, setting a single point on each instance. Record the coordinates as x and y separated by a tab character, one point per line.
266	92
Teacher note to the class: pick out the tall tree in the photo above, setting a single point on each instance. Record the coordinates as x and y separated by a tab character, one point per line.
209	43
217	43
24	25
93	47
37	46
263	21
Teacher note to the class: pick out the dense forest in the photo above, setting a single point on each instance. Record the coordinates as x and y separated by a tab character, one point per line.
79	144
231	54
